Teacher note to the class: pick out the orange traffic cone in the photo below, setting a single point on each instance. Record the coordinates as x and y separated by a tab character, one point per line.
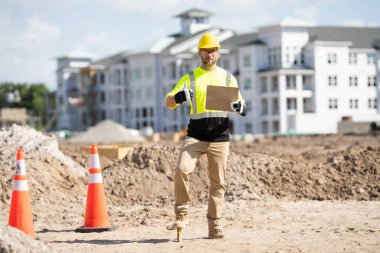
96	216
20	215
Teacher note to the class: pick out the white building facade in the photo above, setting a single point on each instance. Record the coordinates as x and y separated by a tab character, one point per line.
295	78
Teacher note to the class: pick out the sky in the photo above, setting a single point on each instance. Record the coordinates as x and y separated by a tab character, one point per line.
33	33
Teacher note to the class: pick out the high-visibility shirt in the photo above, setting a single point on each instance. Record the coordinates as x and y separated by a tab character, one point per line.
206	125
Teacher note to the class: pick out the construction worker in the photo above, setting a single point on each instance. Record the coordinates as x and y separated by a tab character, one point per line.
208	133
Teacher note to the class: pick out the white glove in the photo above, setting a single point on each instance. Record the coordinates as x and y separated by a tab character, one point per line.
237	106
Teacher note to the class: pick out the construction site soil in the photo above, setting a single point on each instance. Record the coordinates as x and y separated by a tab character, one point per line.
301	192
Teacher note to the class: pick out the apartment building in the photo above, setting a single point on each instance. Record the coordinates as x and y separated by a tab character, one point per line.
295	77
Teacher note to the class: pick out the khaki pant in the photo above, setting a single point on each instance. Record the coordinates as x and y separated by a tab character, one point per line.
217	153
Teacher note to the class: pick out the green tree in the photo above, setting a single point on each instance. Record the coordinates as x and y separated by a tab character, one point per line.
32	97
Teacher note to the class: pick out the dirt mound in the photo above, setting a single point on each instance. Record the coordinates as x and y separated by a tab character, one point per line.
145	176
108	131
53	178
307	149
14	241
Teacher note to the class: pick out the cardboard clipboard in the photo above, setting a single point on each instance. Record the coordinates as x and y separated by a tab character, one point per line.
220	97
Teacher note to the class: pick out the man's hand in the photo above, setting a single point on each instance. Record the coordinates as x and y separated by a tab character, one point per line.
238	107
184	95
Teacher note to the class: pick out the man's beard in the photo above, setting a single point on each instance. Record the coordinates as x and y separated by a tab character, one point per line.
209	63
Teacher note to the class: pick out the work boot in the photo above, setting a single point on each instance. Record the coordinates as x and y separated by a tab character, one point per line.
215	230
216	233
180	222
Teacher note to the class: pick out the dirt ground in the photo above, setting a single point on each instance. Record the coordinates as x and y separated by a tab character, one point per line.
274	226
284	194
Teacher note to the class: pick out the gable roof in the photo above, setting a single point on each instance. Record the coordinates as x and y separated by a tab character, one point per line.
361	37
194	12
242	40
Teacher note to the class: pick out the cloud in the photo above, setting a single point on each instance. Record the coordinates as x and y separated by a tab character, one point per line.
38	30
100	44
27	49
308	13
148	8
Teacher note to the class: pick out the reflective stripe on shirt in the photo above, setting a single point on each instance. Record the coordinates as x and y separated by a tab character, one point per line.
203	115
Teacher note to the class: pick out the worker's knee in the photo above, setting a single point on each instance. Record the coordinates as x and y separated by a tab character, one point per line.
185	166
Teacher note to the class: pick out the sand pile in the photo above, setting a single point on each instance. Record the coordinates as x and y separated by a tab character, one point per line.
14	241
108	131
145	176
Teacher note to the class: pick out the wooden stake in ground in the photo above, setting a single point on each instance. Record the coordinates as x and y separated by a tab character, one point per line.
179	234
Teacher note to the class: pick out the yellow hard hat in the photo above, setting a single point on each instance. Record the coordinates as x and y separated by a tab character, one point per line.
208	40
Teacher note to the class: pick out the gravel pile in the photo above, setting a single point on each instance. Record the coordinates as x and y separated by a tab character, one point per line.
14	241
108	132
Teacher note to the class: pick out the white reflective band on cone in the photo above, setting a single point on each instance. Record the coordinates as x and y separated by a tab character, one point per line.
20	167
20	185
94	161
95	178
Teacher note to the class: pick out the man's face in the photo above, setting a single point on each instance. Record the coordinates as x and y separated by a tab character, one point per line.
209	56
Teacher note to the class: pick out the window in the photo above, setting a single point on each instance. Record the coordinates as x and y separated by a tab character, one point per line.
331	58
125	76
138	74
295	58
353	58
354	103
263	84
291	103
117	76
248	128
264	126
274	56
270	56
333	103
149	92
102	78
151	112
118	115
276	126
227	64
148	72
274	106
102	97
247	83
287	57
372	81
137	113
145	112
187	68
172	68
291	82
246	61
249	106
117	96
60	99
126	95
274	84
307	105
333	81
371	58
138	93
353	81
372	103
264	107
